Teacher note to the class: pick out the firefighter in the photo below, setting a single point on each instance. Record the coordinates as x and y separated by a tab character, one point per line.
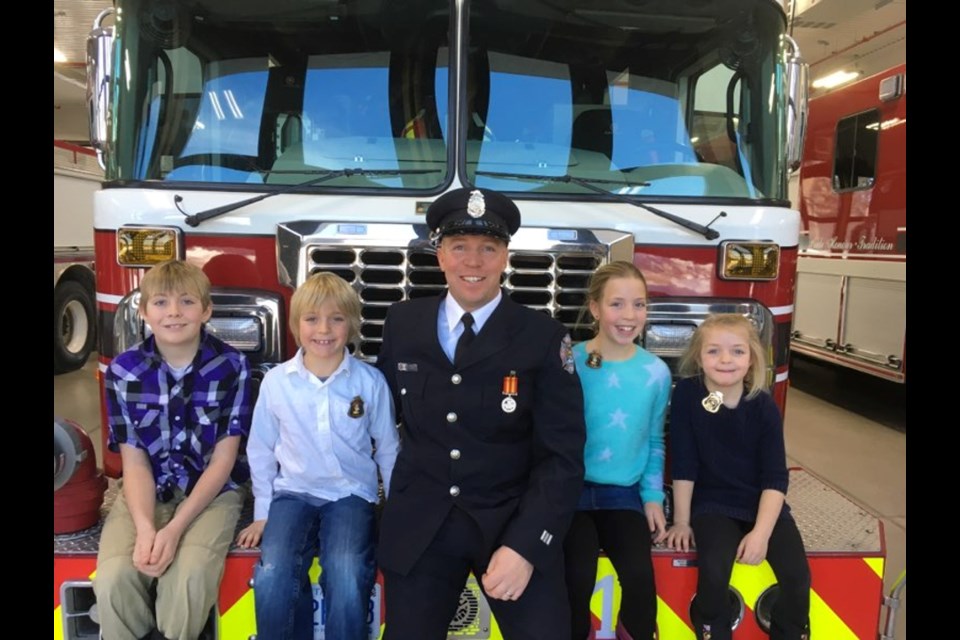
491	462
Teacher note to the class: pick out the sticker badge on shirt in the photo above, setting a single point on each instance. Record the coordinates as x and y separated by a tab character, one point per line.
510	385
594	360
713	402
356	407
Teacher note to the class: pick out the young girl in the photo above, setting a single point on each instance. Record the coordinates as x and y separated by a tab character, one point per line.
322	427
730	478
625	391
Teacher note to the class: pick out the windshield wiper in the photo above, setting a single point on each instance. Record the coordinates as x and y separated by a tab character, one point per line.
195	219
591	184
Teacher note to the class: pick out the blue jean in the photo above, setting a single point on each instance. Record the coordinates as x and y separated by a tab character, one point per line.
343	532
610	496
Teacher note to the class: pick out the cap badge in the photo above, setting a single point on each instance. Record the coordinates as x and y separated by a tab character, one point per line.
476	206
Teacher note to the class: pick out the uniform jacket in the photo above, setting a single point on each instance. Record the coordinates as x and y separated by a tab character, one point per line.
518	474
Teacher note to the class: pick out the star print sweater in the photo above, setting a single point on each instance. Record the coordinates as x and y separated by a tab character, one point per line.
625	404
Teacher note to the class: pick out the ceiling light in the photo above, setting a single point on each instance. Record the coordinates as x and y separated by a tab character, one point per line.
834	79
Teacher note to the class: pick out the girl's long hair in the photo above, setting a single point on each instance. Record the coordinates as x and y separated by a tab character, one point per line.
756	379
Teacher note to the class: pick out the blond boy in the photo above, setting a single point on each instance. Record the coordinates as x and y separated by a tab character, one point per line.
322	428
178	405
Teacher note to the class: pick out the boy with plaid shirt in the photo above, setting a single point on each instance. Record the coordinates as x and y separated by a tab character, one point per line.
179	405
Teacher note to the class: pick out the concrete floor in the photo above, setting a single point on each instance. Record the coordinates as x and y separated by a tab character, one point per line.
847	429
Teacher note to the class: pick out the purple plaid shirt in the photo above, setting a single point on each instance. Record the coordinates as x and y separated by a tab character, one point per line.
179	422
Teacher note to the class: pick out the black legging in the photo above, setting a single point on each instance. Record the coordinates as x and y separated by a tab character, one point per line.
717	539
625	537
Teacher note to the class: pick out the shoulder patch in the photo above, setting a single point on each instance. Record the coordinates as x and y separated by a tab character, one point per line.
566	354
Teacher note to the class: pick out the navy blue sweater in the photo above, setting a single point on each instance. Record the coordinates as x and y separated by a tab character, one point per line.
732	456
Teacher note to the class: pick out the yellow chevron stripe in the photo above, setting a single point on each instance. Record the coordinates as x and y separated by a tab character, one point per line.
752	580
57	625
58	621
239	621
824	623
670	625
876	564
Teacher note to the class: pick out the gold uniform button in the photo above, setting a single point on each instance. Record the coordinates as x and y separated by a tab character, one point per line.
451	417
454	491
455	378
454	454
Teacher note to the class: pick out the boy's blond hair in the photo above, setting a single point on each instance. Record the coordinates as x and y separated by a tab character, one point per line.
175	276
756	379
316	290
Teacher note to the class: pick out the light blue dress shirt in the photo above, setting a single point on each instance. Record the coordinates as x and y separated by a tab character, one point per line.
304	440
449	326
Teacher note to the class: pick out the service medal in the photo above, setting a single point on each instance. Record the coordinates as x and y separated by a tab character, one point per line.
713	402
510	386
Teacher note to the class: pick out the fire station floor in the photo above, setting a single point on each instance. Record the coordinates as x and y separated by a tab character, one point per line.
845	428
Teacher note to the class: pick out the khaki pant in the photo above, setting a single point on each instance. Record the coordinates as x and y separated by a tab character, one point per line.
185	593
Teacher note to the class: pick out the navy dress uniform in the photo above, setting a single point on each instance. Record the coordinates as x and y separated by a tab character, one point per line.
491	449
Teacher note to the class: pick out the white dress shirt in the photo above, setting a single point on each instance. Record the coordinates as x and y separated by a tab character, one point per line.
303	439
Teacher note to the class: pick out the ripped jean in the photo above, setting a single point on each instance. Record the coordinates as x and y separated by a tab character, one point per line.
343	532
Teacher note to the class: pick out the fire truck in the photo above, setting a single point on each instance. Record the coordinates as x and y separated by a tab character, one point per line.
75	178
852	270
265	142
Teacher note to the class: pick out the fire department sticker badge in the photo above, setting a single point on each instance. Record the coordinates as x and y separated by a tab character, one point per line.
713	402
356	407
566	354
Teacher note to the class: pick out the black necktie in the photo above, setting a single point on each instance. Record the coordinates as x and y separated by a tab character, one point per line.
465	339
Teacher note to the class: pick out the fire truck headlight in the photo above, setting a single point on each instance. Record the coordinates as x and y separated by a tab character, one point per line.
147	246
749	260
244	334
668	340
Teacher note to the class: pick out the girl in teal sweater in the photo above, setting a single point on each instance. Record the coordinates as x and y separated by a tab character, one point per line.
625	390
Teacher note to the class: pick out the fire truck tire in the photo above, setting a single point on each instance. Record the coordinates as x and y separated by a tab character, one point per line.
74	326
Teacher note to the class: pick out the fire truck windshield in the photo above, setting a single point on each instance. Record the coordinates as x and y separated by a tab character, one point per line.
662	100
252	93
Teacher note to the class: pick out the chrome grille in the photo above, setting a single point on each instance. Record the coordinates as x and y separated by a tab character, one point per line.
387	263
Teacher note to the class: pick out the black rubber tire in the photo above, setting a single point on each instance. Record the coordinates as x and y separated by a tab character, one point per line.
74	326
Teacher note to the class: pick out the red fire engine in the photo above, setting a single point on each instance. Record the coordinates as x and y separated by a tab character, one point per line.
852	271
266	142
